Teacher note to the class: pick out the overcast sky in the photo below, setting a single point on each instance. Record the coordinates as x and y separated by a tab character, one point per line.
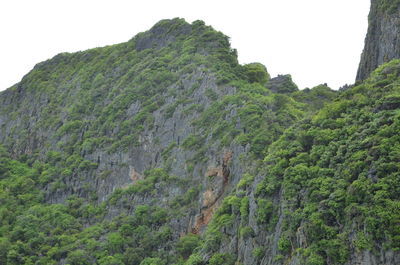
316	41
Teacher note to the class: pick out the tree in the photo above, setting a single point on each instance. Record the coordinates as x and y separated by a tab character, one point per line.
256	73
152	261
78	257
187	244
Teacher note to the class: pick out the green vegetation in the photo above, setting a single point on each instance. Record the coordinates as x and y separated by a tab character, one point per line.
337	175
315	172
29	226
390	6
256	72
187	244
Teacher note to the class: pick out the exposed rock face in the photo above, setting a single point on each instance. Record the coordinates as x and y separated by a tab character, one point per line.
160	36
282	84
280	236
160	102
158	141
382	42
157	122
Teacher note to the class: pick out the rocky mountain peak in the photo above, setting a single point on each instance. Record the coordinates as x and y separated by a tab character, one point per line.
162	33
382	42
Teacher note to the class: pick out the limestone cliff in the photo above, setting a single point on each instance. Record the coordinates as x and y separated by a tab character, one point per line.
382	42
165	150
168	121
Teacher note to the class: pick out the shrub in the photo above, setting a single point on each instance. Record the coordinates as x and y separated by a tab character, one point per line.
264	211
256	72
222	259
247	232
187	244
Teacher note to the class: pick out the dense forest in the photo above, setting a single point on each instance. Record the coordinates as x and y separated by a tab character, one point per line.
165	150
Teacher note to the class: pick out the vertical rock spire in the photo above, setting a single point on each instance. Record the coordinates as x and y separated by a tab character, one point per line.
382	42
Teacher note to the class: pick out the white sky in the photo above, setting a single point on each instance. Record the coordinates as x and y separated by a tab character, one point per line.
316	41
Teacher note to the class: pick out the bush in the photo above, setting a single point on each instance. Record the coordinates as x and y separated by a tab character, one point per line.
152	261
194	259
222	259
264	211
247	232
258	252
110	260
256	72
78	257
244	208
187	244
284	244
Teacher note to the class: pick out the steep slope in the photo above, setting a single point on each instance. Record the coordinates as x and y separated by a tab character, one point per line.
328	191
164	150
127	148
382	42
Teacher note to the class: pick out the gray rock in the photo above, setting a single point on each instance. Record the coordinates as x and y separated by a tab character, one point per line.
282	84
161	34
382	42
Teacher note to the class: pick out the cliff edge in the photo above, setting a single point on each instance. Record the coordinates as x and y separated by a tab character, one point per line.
382	42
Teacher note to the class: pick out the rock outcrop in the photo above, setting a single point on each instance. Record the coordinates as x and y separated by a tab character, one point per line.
382	42
165	150
282	84
154	121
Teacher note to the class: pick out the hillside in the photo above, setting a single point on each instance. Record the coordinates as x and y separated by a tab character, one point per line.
328	190
165	124
165	150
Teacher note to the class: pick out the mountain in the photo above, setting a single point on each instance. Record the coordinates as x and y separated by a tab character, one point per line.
162	126
165	150
382	43
328	190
